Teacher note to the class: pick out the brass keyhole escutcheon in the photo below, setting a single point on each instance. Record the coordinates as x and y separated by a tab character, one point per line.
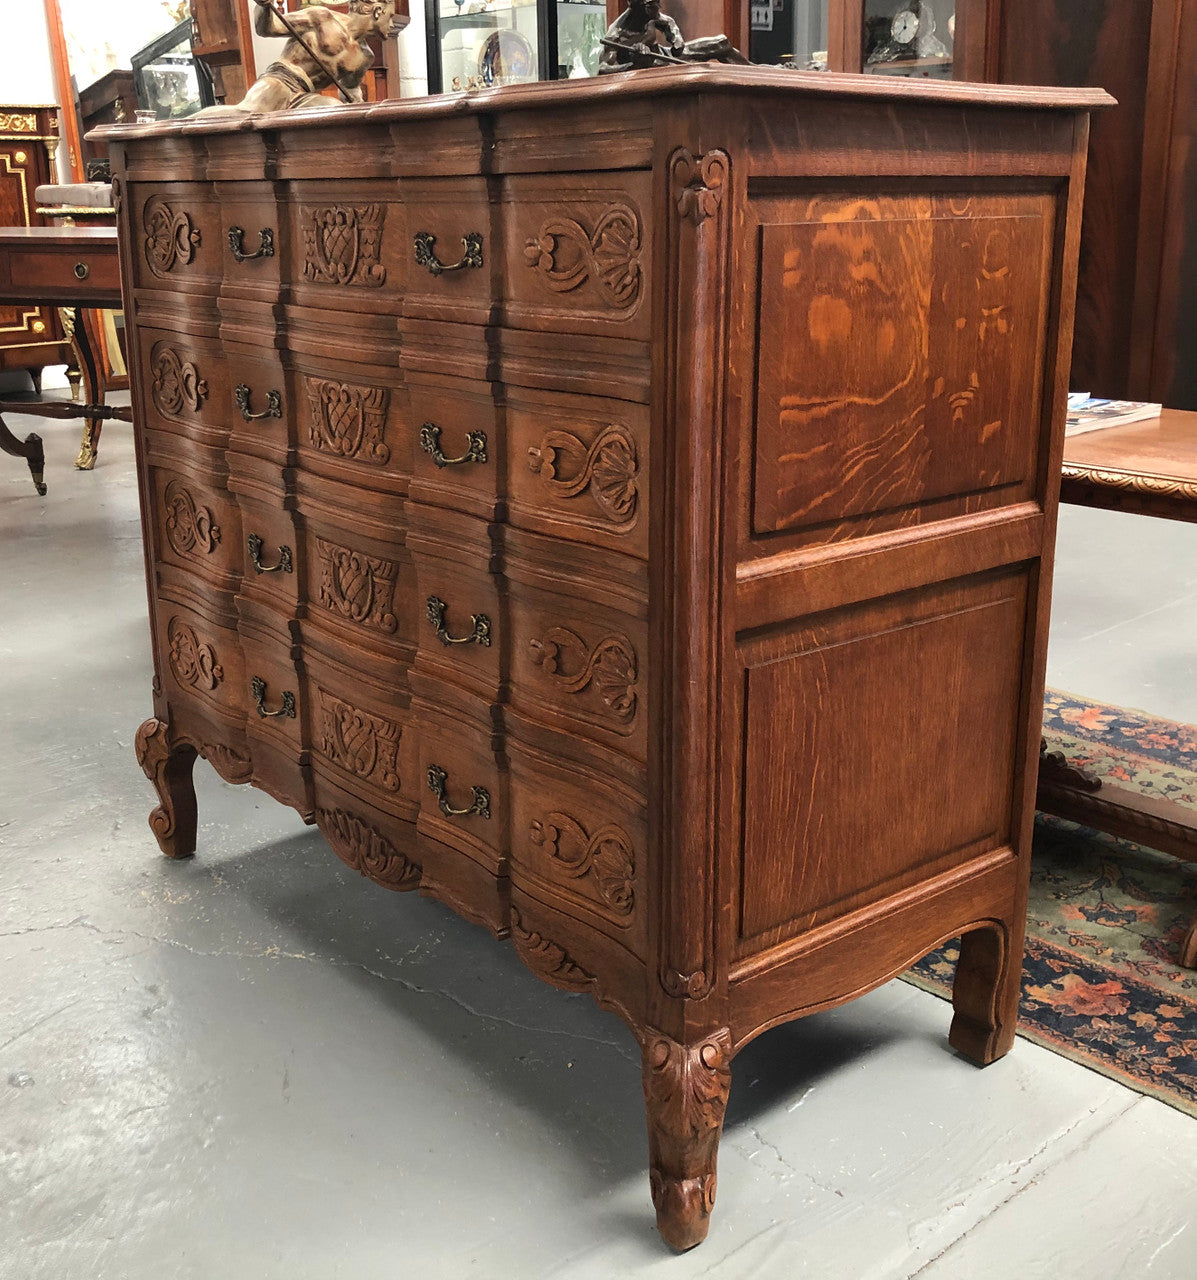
82	270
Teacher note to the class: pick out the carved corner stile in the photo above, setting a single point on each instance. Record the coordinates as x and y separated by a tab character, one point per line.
697	285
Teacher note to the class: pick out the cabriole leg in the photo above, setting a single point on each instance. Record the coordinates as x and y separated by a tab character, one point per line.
685	1091
985	993
168	766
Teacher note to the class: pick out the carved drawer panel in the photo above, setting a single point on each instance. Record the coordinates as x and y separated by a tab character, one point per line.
186	387
347	247
577	468
577	253
196	526
458	446
460	634
177	237
463	800
578	665
201	662
579	842
361	735
379	844
453	260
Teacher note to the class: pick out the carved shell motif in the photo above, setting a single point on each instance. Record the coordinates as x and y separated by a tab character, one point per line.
606	856
567	255
608	468
573	665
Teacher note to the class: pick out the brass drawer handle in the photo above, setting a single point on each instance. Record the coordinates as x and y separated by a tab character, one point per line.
82	270
437	778
274	404
481	625
255	554
257	686
265	247
425	257
430	442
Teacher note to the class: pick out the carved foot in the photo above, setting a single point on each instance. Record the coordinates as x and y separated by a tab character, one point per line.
1188	947
685	1092
985	994
168	766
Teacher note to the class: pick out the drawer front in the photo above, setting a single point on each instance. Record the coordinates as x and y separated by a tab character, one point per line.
187	388
458	454
579	842
178	237
463	802
259	405
202	663
196	526
250	246
460	633
347	246
269	554
577	468
377	843
49	273
453	260
577	253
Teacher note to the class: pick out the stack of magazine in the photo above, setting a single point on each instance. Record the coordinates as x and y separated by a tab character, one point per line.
1089	413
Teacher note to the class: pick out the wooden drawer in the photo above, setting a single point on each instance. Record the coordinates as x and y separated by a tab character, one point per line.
48	272
454	263
459	449
579	842
178	237
196	526
259	408
577	253
347	246
463	801
269	553
250	239
186	385
276	717
577	468
202	662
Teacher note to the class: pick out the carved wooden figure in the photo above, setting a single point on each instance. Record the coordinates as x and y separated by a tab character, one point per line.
634	530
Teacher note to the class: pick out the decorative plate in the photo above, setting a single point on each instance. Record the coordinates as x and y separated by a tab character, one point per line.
505	55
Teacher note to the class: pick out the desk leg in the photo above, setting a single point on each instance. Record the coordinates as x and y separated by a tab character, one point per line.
85	339
30	449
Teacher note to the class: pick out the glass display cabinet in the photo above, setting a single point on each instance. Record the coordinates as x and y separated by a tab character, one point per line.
480	43
169	79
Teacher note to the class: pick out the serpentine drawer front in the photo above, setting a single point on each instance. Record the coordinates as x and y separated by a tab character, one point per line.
624	511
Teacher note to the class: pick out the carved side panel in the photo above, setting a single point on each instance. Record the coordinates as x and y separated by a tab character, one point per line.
171	237
348	420
607	469
191	529
343	244
193	662
175	383
358	587
364	745
605	859
366	849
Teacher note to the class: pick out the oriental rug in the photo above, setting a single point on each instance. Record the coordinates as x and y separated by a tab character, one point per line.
1100	981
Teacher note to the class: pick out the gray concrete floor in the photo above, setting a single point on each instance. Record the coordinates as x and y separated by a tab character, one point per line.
257	1065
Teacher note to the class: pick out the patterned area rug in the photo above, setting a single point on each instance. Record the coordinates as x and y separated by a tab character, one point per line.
1100	982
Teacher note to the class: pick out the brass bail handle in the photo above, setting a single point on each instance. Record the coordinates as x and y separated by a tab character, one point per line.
274	403
265	247
426	256
430	442
257	686
437	779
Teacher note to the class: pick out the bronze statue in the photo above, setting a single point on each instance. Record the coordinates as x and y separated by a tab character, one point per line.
643	36
323	48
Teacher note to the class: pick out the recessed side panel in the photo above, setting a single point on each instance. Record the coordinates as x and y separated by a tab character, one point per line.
879	748
898	352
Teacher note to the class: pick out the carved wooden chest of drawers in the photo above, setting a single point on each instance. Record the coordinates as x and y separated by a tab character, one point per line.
623	511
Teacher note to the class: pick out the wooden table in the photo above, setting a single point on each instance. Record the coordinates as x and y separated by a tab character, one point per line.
1147	468
75	267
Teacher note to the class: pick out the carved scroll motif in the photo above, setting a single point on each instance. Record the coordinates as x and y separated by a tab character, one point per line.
170	237
606	856
567	255
175	383
348	420
546	959
610	666
189	527
342	245
366	849
193	662
609	468
699	182
358	587
362	744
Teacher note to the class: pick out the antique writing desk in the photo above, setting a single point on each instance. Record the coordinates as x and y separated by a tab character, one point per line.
624	511
1145	468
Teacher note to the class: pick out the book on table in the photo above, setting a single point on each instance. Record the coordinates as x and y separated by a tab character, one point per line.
1091	413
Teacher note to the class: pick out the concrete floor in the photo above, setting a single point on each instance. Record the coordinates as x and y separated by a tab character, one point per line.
258	1065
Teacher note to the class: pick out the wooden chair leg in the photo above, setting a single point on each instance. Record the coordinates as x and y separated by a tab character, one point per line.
168	766
985	992
685	1092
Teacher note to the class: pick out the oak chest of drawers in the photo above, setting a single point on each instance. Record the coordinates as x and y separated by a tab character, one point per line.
623	511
